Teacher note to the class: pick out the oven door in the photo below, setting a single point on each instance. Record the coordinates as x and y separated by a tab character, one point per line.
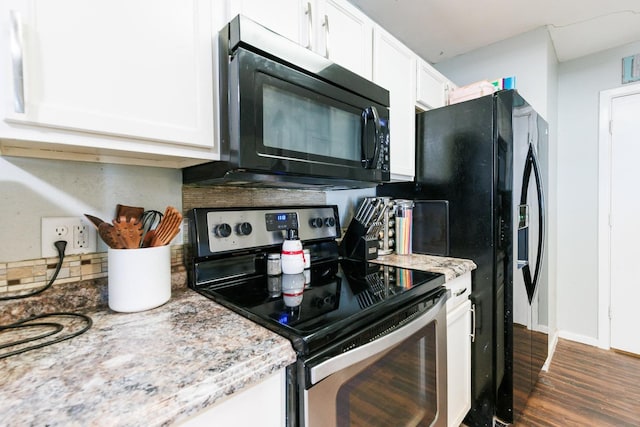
284	120
398	379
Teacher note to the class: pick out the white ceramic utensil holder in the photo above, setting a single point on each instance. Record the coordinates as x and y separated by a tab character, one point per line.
139	279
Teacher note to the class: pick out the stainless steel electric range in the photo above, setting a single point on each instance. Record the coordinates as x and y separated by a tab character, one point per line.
370	338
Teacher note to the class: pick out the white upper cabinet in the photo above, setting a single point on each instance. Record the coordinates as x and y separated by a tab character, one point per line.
108	79
432	88
285	17
394	68
334	29
345	36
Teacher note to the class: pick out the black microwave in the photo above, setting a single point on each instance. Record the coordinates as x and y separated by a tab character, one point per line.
290	117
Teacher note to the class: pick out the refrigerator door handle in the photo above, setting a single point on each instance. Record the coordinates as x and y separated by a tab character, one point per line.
541	217
532	165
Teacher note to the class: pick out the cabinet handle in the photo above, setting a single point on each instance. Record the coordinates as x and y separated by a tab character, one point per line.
460	292
17	62
473	323
309	14
327	36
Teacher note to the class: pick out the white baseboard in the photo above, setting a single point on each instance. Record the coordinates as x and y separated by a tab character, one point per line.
580	338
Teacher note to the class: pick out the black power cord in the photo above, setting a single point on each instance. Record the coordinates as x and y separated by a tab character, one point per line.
55	327
60	245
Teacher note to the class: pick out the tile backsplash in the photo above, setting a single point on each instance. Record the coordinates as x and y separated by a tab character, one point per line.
24	276
28	275
222	196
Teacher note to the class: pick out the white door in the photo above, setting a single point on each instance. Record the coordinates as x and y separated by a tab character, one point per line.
625	225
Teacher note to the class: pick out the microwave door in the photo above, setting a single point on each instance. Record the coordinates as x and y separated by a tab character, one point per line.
371	133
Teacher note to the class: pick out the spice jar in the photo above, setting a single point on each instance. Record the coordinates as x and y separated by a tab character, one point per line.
274	267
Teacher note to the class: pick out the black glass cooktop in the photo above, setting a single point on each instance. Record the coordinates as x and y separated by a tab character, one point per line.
328	302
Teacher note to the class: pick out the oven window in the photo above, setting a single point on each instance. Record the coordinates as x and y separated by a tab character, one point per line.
293	122
397	388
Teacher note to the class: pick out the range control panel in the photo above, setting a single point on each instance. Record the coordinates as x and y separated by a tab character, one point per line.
227	230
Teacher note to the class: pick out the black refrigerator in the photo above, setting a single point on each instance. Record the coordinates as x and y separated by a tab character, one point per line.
488	158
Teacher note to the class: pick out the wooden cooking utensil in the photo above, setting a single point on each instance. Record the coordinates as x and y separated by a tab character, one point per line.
128	212
110	236
148	238
168	228
129	231
94	220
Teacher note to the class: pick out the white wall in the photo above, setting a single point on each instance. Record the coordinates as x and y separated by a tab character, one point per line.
33	188
580	83
531	58
525	56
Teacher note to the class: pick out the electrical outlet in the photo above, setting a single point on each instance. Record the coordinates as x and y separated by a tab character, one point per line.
76	231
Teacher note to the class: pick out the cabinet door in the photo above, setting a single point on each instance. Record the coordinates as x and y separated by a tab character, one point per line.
431	87
127	68
394	68
289	18
344	35
265	400
458	363
332	28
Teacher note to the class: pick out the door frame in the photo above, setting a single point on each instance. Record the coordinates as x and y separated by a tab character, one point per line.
604	209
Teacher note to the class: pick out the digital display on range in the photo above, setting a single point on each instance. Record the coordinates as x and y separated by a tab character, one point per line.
281	221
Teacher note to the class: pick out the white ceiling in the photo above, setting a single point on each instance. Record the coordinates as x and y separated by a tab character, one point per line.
441	29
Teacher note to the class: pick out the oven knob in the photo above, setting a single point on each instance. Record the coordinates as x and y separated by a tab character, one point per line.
330	221
316	222
222	230
244	229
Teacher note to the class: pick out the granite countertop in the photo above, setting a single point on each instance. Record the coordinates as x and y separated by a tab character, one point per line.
150	368
450	267
156	367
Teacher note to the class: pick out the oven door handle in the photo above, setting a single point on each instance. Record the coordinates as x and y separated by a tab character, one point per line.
335	364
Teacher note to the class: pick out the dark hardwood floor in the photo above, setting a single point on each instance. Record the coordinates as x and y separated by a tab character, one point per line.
585	386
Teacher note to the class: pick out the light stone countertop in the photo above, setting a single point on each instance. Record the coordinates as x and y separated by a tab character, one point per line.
450	267
156	367
151	368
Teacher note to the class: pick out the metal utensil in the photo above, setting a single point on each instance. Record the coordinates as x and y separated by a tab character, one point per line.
366	299
371	213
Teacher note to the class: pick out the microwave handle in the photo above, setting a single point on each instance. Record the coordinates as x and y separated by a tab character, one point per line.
370	117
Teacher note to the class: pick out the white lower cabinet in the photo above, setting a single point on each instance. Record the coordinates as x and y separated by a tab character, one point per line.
458	350
262	404
97	81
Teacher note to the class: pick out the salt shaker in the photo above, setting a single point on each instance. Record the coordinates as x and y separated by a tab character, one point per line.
273	265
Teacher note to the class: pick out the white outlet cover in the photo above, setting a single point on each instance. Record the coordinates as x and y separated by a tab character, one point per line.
68	229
